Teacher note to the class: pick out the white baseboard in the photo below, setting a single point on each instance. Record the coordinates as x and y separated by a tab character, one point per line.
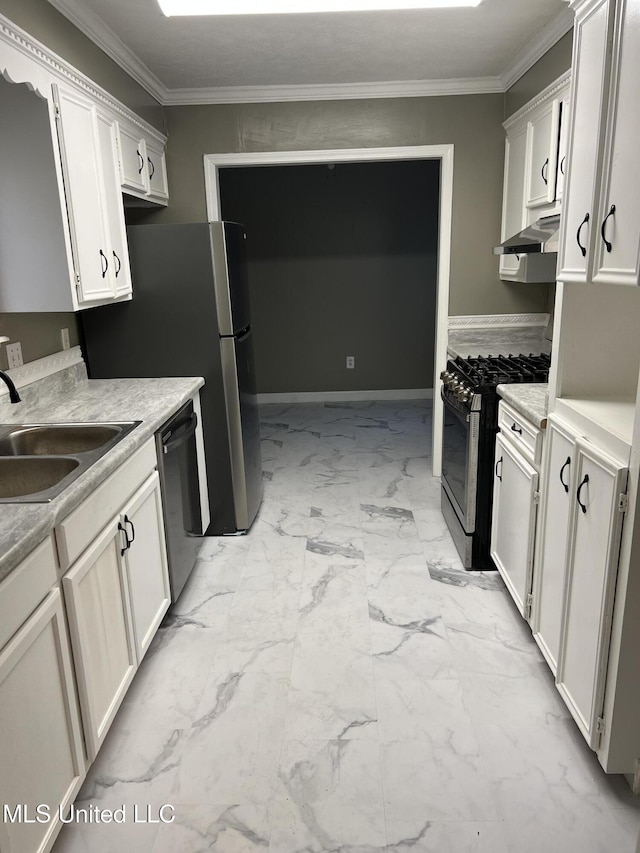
347	396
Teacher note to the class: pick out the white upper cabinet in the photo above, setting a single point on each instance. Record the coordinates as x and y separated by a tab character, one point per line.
143	171
93	195
133	159
535	151
543	134
119	251
156	163
601	238
513	208
74	149
618	212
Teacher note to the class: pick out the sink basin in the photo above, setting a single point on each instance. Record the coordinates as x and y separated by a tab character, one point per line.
51	440
29	475
38	461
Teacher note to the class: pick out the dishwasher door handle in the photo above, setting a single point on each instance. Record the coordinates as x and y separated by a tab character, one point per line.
180	436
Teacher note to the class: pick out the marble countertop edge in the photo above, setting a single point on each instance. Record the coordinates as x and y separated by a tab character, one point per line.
152	401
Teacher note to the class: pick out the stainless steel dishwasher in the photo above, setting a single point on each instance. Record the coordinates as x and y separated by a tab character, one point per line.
179	481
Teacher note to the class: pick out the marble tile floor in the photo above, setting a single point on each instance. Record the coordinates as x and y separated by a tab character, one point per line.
335	682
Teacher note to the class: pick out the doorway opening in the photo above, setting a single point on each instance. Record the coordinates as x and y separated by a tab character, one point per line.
443	154
343	266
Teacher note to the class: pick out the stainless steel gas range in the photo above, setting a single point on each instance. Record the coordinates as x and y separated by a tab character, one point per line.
470	424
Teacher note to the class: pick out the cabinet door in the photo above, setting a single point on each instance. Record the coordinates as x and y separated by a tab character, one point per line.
156	164
146	562
591	54
85	192
548	584
513	195
133	160
513	521
117	249
618	235
41	752
594	546
563	145
542	155
98	608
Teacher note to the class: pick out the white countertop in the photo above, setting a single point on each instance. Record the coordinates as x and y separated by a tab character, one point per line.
531	400
68	397
471	343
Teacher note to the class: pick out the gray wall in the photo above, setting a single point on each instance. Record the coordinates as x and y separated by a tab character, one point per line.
342	261
39	334
555	62
472	123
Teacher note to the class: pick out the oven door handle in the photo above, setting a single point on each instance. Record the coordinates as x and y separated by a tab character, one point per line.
452	408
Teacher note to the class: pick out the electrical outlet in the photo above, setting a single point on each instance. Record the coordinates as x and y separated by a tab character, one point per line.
64	337
14	355
351	361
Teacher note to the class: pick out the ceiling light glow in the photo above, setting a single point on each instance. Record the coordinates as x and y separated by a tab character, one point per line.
296	7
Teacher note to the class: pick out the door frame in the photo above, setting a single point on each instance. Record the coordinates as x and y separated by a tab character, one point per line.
444	153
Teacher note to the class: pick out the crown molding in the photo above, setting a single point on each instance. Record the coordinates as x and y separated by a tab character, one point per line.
537	47
552	89
43	66
338	91
104	37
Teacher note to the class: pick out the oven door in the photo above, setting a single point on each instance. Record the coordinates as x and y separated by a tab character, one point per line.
460	460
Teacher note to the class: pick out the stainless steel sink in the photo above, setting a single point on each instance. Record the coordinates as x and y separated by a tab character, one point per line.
54	439
38	461
26	475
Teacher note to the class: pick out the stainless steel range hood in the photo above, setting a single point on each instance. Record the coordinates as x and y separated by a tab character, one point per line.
536	248
539	238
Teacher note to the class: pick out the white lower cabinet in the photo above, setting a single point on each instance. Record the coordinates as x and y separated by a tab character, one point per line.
116	589
100	624
145	558
593	550
41	756
557	494
514	520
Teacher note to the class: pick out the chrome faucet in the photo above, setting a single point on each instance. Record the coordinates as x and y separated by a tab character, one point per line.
13	394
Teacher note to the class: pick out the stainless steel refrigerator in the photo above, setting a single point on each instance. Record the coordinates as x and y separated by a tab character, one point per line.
190	316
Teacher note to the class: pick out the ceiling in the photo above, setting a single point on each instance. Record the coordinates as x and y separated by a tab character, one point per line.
357	54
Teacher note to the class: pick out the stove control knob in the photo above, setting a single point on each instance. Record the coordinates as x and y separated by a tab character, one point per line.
445	375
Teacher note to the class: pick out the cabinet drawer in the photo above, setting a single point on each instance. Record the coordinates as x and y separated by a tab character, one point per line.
525	436
80	528
23	590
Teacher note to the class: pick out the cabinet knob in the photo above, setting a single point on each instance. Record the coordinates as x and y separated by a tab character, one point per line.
580	487
583	249
104	266
604	222
567	463
545	165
